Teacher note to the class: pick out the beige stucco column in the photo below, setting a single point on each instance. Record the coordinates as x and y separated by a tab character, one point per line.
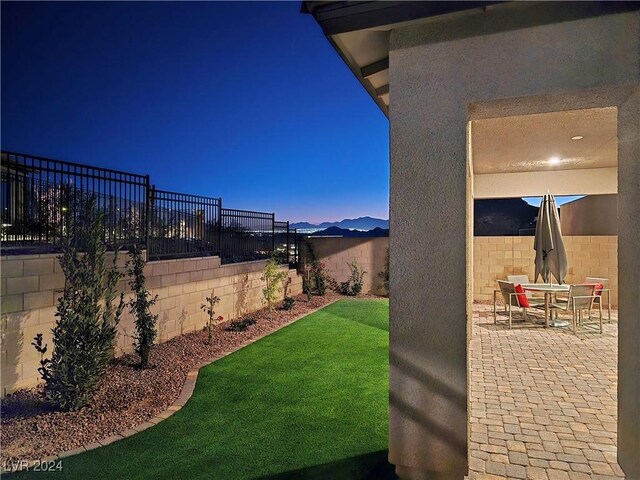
629	281
438	70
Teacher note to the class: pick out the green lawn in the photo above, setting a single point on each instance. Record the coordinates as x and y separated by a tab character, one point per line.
309	401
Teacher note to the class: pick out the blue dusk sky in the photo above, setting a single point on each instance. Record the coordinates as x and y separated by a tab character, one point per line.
247	101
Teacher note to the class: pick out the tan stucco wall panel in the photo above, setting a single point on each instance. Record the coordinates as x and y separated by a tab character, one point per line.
438	70
369	253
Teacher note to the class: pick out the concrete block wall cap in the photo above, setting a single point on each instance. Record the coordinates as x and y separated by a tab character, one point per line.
185	394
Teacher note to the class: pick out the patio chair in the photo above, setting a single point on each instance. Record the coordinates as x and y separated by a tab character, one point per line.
513	296
579	299
601	287
521	279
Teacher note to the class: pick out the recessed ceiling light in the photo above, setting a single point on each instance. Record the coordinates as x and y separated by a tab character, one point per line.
554	160
577	137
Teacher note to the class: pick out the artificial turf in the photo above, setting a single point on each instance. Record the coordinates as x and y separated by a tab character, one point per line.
307	402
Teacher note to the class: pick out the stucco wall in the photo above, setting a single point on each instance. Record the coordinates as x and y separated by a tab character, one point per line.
591	215
438	71
30	282
368	253
496	257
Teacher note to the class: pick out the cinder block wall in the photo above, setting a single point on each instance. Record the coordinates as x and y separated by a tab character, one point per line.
338	252
496	257
29	291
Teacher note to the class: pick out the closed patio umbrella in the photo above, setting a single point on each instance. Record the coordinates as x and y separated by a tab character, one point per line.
551	257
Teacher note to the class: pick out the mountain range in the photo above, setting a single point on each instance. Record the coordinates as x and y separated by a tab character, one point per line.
343	232
499	216
360	223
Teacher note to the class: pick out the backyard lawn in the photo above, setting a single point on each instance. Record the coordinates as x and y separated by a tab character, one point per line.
309	401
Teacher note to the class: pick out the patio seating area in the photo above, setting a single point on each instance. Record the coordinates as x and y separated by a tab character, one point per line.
543	401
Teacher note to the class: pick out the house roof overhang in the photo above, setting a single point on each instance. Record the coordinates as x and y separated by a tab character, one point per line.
360	30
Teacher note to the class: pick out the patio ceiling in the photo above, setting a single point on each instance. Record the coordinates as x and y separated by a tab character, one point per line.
573	152
543	142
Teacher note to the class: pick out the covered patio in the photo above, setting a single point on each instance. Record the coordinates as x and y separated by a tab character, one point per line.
543	401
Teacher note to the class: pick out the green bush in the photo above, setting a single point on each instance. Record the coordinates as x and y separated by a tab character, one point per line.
273	277
384	274
87	319
315	280
140	306
241	325
353	286
288	303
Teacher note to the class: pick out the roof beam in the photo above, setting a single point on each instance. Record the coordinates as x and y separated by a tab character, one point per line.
382	90
375	67
340	17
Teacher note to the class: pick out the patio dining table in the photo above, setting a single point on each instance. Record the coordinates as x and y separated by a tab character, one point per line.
548	289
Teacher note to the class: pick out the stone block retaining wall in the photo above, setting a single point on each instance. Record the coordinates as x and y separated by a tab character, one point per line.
30	285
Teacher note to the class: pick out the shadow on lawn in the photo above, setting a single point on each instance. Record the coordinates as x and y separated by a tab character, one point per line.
370	466
369	321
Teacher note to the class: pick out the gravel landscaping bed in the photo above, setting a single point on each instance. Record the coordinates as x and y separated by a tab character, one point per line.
127	395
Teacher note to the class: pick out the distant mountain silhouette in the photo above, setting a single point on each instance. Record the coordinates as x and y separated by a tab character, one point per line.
492	217
343	232
360	223
503	216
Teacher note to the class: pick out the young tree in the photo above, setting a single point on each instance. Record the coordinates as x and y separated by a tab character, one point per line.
273	277
87	319
208	307
140	307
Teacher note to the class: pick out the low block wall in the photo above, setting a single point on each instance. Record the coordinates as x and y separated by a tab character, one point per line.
338	252
496	257
29	284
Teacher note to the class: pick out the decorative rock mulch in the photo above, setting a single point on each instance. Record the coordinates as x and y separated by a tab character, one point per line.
130	400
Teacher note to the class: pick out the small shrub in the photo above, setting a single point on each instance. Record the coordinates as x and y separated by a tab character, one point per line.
307	284
353	286
384	274
87	318
288	303
320	278
315	280
140	306
273	277
241	325
208	307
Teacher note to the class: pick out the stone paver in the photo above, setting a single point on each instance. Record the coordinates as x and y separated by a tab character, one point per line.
543	401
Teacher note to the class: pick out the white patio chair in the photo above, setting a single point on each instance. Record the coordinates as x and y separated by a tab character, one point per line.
513	297
579	299
600	292
521	279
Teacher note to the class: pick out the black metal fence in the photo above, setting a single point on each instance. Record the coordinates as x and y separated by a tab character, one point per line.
182	225
246	235
40	196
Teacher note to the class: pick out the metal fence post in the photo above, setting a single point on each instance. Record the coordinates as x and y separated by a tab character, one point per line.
288	259
220	252
147	215
149	220
273	234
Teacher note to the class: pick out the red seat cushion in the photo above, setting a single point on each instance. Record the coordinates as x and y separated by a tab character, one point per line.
599	287
522	296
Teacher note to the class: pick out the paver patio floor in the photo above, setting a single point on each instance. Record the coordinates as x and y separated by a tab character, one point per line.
543	401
